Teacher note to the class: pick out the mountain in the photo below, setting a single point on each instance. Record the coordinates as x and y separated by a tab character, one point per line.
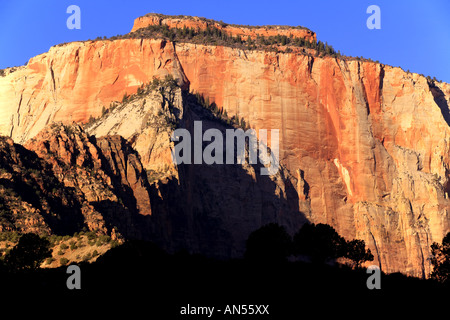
364	146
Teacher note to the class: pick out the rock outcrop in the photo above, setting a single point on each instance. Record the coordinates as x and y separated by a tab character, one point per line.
365	145
188	201
103	186
64	181
233	30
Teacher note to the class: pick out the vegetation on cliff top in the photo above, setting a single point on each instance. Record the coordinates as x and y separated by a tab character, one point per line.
165	87
215	36
223	24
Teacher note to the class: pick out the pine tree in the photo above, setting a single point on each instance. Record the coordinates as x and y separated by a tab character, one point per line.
191	33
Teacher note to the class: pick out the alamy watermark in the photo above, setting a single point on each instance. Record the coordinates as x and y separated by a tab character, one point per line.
73	281
74	20
373	281
374	20
239	145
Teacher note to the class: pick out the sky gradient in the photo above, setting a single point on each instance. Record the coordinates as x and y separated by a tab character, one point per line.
414	35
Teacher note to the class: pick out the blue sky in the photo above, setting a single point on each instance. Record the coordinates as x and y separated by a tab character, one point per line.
414	35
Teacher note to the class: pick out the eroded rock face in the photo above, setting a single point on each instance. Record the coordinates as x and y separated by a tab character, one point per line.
36	198
74	81
147	122
201	208
366	145
371	140
104	175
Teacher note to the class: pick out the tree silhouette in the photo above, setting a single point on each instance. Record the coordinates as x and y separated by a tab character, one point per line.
270	243
320	242
356	251
29	253
441	260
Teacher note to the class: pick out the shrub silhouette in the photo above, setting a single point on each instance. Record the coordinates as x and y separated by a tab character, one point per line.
355	250
441	260
29	253
270	243
320	242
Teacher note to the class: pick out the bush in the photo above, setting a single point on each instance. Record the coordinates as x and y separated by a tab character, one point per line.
87	257
73	245
29	253
11	236
441	260
80	244
355	250
91	235
63	261
103	239
319	242
54	239
50	260
114	244
270	243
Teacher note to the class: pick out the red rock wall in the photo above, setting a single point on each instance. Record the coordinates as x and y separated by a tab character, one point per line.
74	81
371	139
244	32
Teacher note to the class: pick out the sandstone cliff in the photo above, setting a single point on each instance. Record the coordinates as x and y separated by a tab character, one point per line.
372	140
209	209
233	30
104	188
53	89
65	181
365	145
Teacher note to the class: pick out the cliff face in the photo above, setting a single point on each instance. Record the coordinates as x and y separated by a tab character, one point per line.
366	145
372	140
74	81
63	180
210	209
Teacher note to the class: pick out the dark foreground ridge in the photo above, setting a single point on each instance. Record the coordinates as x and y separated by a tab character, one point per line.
140	277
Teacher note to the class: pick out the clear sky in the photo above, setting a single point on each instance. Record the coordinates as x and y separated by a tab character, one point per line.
414	35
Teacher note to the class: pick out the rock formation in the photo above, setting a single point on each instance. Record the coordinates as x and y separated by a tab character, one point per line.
365	146
234	30
65	181
55	86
